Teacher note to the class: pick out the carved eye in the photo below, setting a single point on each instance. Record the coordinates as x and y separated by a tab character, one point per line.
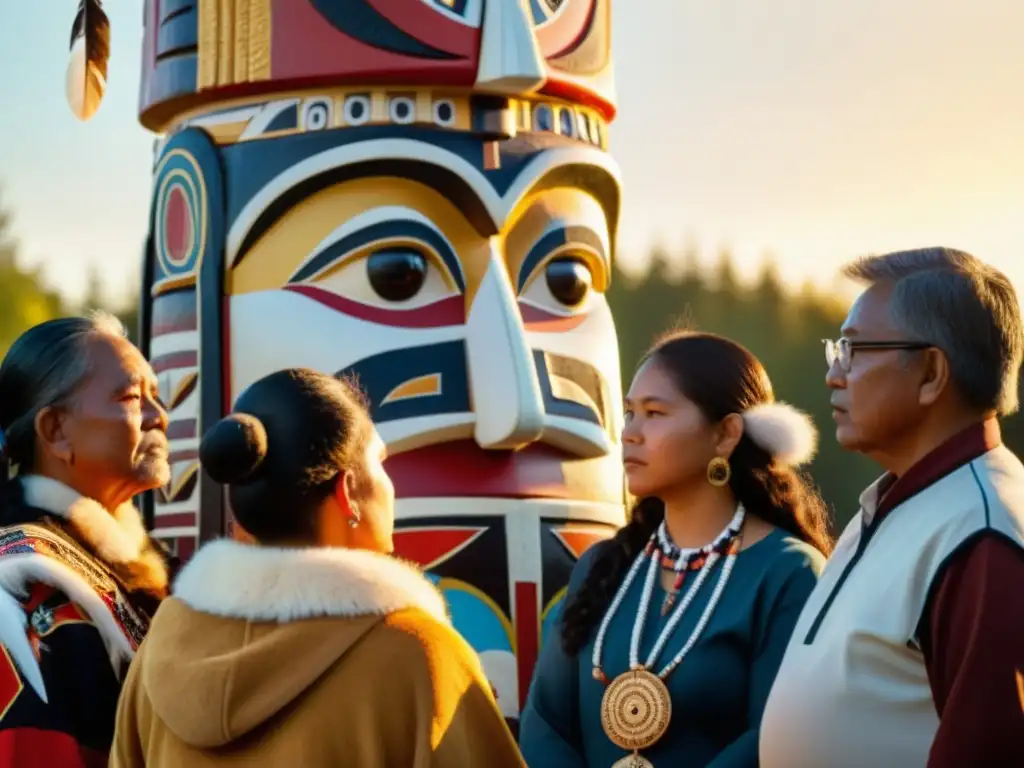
569	279
544	10
397	274
396	277
317	114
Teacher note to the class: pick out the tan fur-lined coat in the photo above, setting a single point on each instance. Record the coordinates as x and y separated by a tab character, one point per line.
314	657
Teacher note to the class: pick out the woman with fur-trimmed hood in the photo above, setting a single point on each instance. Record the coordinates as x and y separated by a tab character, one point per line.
312	646
81	433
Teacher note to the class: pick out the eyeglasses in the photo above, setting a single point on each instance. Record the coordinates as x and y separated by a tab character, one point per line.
842	350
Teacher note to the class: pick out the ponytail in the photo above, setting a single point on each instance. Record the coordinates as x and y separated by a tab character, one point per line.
780	496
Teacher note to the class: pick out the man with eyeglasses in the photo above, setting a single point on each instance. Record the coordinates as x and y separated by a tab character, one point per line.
910	651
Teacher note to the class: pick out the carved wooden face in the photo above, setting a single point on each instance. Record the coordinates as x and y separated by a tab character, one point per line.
469	303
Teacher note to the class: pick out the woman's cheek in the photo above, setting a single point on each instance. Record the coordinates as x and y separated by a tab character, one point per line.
675	449
661	439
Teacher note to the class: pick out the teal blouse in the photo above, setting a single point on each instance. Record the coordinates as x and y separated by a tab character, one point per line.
718	691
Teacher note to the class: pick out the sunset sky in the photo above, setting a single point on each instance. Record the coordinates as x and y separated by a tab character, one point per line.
814	131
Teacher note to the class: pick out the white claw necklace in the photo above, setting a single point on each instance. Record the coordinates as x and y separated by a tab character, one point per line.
636	707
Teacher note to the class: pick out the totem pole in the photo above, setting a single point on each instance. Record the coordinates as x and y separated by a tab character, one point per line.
416	192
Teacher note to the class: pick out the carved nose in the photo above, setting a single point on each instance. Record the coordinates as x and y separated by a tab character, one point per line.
507	397
510	58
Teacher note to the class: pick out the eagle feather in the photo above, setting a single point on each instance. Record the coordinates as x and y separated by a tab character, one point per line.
90	55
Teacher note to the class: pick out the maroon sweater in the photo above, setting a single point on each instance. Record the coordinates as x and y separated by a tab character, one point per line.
972	629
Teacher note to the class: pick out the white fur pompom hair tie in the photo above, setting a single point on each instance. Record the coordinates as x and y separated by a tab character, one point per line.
785	432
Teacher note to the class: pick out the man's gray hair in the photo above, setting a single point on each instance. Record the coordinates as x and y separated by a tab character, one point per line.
43	368
963	306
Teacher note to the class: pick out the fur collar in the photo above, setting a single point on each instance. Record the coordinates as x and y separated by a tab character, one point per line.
117	538
243	581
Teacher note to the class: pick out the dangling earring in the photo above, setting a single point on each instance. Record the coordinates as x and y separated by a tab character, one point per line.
719	471
353	522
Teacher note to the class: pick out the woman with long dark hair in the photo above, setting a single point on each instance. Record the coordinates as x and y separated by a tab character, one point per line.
672	632
82	432
312	645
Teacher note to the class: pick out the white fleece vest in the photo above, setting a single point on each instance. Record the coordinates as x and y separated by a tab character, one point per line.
853	690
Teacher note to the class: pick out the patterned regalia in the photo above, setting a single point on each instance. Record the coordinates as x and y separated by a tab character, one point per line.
77	589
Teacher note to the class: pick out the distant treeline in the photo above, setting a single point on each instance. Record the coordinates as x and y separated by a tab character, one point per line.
784	329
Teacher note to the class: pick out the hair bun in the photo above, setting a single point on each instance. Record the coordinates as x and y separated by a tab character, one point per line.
234	448
786	433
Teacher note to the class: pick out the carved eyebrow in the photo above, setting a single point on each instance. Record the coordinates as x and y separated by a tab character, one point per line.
267	196
557	238
382	230
452	166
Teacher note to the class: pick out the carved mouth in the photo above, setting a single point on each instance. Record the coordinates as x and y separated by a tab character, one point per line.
462	468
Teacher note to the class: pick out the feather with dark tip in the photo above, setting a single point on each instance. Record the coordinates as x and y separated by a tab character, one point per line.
90	54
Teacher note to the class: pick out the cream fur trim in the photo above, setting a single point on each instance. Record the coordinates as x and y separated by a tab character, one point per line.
783	431
243	581
18	572
117	538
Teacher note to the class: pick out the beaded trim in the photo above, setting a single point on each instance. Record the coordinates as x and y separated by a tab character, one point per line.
724	545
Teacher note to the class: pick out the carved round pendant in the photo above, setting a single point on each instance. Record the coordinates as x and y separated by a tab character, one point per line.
635	710
633	761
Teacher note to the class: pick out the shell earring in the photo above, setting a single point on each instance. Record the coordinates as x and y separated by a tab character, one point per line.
719	472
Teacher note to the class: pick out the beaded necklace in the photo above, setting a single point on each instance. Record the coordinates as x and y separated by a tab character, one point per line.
636	706
692	559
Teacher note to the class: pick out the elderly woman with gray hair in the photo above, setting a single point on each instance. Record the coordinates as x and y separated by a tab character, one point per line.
82	432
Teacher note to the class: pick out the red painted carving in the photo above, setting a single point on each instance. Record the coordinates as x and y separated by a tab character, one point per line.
579	540
305	47
419	20
460	468
177	225
527	635
429	547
